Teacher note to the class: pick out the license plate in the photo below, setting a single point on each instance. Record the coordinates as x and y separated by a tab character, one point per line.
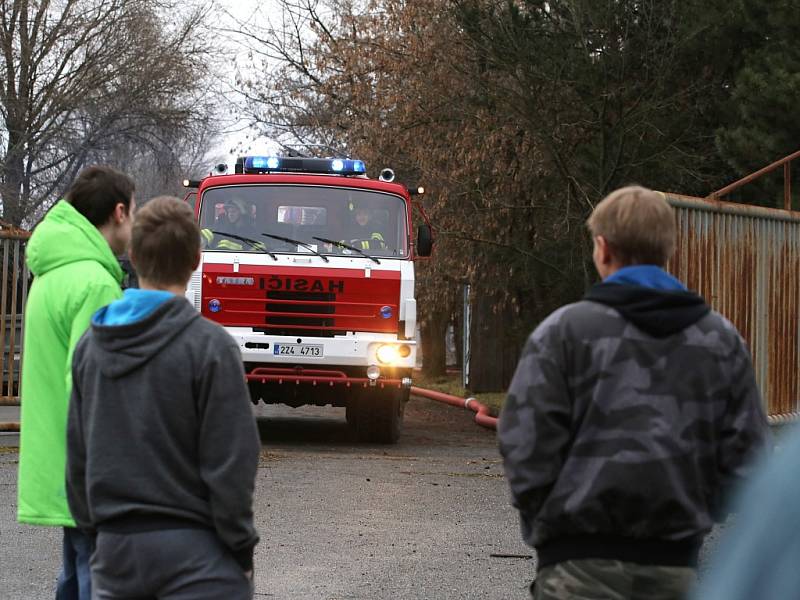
297	350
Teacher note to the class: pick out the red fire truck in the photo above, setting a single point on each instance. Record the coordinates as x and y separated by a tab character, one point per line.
309	265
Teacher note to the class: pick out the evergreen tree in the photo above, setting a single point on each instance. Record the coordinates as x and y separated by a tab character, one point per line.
761	124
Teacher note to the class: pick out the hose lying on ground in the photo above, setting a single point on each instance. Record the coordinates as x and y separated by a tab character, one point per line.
482	418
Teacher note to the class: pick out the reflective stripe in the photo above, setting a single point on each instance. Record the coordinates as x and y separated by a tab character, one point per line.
206	233
229	245
375	240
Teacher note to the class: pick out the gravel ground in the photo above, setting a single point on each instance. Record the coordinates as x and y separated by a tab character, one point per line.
426	518
340	520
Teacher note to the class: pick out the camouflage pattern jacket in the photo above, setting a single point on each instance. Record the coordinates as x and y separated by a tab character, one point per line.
630	415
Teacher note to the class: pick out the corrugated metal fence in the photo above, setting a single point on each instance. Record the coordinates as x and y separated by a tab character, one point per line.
745	261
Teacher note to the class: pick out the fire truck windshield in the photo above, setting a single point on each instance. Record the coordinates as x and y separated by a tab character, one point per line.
297	218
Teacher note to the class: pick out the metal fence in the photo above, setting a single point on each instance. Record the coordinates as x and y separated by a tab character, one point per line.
14	293
745	260
785	162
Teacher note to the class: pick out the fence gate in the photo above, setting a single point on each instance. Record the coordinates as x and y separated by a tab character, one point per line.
14	293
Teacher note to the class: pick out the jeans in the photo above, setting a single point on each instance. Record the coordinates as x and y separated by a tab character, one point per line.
74	581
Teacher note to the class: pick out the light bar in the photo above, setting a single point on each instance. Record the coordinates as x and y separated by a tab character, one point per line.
282	164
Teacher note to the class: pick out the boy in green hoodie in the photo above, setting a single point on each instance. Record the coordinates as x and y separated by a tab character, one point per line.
72	256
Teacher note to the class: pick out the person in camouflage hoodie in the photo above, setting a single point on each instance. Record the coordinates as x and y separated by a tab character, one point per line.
630	416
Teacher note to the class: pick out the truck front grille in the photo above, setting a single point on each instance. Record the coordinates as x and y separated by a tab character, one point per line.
305	325
322	307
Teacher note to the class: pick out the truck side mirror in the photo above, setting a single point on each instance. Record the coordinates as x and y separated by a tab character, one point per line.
424	240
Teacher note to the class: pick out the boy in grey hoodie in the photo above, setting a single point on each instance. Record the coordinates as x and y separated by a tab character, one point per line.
162	447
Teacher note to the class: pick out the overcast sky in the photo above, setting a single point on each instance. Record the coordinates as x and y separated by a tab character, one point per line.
239	136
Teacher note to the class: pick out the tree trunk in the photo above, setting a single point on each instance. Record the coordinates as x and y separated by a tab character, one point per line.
433	330
494	348
13	169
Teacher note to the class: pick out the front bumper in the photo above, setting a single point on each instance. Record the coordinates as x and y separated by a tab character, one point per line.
354	350
322	377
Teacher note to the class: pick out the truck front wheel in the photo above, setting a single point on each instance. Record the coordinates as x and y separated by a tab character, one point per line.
377	414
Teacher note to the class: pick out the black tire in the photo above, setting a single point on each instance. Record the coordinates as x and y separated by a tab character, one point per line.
351	411
378	414
256	391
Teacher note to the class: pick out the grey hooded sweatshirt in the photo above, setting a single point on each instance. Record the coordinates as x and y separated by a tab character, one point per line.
160	432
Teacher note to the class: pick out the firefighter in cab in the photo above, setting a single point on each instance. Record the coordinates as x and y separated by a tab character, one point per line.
232	229
365	231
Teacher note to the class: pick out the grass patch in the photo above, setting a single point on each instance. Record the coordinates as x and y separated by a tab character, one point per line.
493	400
451	384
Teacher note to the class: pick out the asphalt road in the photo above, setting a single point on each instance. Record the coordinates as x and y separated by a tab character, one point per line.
426	518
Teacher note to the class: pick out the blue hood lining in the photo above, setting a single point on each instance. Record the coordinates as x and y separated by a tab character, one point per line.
649	276
135	305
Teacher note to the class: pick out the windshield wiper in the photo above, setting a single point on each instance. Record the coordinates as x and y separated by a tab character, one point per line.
349	247
298	242
254	244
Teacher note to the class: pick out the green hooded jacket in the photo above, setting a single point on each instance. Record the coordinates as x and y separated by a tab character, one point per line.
75	273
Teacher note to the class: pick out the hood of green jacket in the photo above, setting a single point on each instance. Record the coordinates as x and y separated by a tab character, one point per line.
65	236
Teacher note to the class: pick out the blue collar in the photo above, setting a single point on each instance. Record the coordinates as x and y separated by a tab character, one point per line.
649	276
135	305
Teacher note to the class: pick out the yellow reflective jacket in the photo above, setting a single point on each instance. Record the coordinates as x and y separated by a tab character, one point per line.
375	241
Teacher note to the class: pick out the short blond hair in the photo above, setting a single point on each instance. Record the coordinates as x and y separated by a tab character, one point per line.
637	223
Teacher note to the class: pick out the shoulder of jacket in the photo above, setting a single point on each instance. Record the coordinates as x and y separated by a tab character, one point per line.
718	319
215	334
561	324
74	286
717	324
102	282
91	270
575	312
577	322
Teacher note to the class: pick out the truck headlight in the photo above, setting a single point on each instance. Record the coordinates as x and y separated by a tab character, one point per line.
387	354
373	372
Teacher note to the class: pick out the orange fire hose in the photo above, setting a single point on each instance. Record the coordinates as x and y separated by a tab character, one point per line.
482	418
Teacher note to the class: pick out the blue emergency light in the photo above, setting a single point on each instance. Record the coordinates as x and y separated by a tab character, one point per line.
283	164
264	162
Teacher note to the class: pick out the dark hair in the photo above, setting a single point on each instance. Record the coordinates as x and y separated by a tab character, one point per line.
97	190
165	241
